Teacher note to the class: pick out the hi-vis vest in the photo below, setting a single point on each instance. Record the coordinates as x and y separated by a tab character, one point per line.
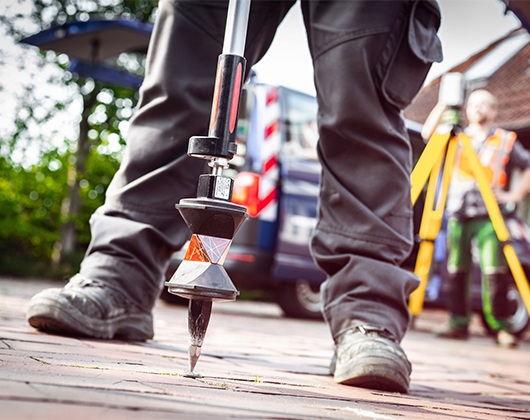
493	154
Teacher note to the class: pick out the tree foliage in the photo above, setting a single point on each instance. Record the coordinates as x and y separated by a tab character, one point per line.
39	136
30	199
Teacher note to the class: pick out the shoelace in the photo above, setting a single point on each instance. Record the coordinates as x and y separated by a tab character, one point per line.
377	331
117	296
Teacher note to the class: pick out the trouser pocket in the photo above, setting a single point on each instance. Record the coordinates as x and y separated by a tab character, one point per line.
411	49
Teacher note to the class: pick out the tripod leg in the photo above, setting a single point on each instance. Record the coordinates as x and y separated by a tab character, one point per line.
498	222
422	268
431	221
433	150
518	274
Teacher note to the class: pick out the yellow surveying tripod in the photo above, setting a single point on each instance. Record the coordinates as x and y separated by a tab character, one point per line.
440	152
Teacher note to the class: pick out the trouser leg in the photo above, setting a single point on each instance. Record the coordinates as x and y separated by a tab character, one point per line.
496	277
458	302
137	229
362	59
459	265
496	305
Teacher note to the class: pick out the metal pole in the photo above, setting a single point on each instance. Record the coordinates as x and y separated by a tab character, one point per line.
212	217
236	27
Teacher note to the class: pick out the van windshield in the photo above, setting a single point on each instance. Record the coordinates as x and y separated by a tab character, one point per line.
299	114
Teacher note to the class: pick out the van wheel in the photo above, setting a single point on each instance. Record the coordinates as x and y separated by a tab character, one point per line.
519	321
299	299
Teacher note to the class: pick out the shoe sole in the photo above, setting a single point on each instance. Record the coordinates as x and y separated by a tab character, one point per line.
60	316
374	372
453	336
508	345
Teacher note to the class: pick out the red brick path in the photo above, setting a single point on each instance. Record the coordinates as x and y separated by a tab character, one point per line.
255	365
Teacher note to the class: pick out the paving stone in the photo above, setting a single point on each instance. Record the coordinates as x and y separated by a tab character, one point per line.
255	365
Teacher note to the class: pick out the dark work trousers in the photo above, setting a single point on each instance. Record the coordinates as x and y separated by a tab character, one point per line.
370	59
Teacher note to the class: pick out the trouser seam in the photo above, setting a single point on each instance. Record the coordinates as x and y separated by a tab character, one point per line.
350	37
339	231
118	205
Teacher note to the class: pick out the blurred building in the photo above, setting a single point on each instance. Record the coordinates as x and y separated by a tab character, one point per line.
503	68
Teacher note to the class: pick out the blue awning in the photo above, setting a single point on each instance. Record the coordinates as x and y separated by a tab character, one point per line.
94	40
88	44
105	74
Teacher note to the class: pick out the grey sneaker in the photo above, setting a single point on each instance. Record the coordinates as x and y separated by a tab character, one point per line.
506	339
89	308
369	357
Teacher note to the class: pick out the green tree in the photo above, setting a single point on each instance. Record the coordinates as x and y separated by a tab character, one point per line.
30	200
50	220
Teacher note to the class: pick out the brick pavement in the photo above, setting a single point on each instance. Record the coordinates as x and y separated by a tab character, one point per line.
255	365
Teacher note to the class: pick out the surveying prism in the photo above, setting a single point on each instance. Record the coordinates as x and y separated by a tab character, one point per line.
435	166
212	217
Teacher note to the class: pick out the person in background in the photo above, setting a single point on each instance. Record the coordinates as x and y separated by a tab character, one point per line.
500	153
362	53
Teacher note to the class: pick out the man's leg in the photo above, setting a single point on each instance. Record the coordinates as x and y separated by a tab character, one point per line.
496	282
138	228
459	237
370	60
